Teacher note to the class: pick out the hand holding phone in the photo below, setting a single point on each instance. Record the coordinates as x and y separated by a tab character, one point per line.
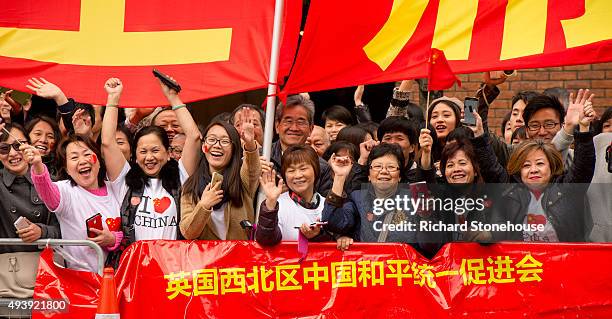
470	105
216	177
94	221
166	80
22	222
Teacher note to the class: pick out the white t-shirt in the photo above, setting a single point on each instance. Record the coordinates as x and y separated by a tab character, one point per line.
291	215
537	215
156	216
218	219
77	205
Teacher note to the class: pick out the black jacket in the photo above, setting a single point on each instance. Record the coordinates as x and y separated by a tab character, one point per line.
562	200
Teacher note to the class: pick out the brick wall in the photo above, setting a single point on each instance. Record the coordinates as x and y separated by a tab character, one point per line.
596	77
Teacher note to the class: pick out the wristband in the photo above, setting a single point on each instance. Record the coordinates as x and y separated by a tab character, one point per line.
176	107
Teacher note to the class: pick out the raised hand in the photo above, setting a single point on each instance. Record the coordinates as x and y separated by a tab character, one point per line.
341	165
113	86
272	190
358	95
31	154
425	141
81	121
575	109
364	150
478	129
212	195
47	90
169	93
246	117
493	82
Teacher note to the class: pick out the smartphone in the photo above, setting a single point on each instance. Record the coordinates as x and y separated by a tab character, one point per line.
216	177
167	80
470	105
22	223
94	221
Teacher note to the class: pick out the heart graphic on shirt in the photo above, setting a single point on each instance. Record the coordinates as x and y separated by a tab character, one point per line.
161	204
536	219
113	223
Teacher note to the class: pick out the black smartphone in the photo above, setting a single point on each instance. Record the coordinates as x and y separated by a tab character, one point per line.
470	105
167	80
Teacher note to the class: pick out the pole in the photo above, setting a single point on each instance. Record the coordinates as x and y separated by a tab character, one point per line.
272	87
427	109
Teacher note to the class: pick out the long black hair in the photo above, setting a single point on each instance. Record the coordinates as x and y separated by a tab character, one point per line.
231	185
169	173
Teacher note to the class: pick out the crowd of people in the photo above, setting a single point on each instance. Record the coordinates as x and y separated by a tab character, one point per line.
116	176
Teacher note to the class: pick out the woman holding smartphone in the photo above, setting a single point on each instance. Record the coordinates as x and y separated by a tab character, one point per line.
213	210
286	214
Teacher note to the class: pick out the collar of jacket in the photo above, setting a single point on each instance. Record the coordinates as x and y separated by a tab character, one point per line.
8	178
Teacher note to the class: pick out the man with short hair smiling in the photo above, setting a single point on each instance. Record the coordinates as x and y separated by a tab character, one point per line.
293	124
167	120
519	102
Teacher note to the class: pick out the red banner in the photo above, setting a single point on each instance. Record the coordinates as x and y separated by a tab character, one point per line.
210	47
353	42
231	279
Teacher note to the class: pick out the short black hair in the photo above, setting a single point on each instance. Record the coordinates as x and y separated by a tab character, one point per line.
371	127
462	133
415	112
352	134
543	102
399	124
341	145
604	118
383	149
520	132
338	113
524	96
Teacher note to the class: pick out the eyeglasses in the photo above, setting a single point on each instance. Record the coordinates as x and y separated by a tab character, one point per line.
176	149
5	148
211	140
535	126
289	122
390	168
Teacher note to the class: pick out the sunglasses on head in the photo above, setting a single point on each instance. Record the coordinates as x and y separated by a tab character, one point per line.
5	148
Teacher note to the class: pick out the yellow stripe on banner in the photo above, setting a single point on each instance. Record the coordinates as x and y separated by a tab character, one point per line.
101	41
524	28
454	25
595	25
396	32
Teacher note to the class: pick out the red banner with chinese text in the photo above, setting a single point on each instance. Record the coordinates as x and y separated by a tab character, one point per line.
353	42
207	279
210	47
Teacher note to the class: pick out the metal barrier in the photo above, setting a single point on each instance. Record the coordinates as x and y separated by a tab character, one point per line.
59	242
5	312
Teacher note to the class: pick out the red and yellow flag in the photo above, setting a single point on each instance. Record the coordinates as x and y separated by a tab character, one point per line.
210	47
351	42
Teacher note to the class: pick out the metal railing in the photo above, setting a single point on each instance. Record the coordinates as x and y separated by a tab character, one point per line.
59	242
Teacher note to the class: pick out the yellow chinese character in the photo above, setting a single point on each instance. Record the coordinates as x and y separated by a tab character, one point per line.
316	274
400	269
233	280
501	272
178	283
260	275
472	271
344	274
289	282
529	268
205	282
371	271
423	274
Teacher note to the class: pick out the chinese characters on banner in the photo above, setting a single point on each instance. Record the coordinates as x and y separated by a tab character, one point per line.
233	279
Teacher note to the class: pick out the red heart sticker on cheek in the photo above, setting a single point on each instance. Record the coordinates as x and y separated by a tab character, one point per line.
205	148
93	159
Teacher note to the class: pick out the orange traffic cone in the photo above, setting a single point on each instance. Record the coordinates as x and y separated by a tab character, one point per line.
108	308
